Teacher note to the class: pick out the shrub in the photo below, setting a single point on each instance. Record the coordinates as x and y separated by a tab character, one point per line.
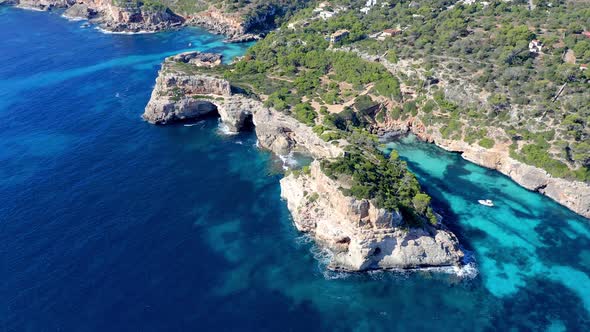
487	143
305	113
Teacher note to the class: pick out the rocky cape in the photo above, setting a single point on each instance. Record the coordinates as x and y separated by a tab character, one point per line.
112	16
575	195
133	17
359	235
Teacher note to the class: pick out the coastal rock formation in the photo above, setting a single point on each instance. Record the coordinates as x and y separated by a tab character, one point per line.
80	11
137	16
219	22
574	195
180	94
359	235
198	59
43	4
282	134
127	17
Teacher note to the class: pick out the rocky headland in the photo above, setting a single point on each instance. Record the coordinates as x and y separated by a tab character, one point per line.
359	235
137	17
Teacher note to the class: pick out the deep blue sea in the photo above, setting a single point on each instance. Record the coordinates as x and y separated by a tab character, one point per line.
108	223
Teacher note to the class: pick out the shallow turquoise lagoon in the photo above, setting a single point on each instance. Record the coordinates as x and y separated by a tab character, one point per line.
108	223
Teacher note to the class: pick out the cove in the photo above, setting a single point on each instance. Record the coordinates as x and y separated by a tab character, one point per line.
109	223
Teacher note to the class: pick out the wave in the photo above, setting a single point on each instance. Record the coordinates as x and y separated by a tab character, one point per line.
324	256
289	161
72	18
303	240
25	7
223	129
141	32
469	269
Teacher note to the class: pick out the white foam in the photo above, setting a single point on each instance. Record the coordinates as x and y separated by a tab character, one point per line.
73	19
324	257
223	129
30	8
303	240
141	32
467	271
288	160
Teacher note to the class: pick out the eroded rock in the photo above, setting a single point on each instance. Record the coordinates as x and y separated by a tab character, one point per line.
360	235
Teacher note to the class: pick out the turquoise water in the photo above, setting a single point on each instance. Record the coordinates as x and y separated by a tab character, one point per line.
109	223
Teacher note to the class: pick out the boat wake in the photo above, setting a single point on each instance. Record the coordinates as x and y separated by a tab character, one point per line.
199	123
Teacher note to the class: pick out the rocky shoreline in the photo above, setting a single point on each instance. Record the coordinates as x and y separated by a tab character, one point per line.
141	19
359	235
574	195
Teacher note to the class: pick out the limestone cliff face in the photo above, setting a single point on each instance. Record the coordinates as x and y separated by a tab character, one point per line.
282	134
111	15
360	235
217	21
180	95
133	17
43	4
574	195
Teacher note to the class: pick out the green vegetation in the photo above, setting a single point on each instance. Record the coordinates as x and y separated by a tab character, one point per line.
466	73
385	181
487	143
305	113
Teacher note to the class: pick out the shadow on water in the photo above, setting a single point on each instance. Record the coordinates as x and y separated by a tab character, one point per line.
441	205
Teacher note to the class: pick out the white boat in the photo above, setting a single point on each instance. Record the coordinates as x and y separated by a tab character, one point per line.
486	202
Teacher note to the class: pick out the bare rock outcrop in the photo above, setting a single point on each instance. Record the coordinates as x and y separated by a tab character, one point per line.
216	21
198	59
359	235
180	94
282	133
80	11
112	15
43	4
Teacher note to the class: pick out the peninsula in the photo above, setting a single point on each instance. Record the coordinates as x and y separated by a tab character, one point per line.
379	219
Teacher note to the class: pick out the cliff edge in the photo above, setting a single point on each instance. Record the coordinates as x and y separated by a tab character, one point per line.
360	235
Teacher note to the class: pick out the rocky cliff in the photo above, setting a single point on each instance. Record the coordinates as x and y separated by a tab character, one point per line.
115	16
135	16
574	195
359	235
181	94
